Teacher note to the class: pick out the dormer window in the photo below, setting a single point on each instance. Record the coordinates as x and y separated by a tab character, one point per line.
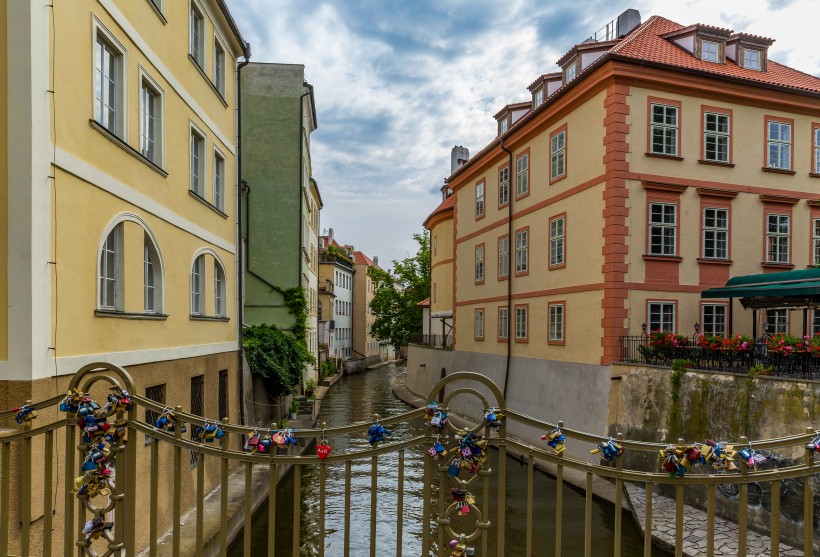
570	73
539	98
751	59
504	125
710	51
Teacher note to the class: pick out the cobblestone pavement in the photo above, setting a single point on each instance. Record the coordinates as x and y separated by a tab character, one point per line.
694	528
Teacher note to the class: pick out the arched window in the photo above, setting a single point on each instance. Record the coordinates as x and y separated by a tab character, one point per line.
110	265
209	287
219	290
197	286
152	283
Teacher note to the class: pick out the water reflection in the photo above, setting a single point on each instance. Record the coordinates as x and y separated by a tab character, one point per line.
355	399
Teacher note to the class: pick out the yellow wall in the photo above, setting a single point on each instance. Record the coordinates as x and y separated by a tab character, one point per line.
442	266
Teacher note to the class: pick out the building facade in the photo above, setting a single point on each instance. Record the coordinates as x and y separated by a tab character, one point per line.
281	201
365	345
336	276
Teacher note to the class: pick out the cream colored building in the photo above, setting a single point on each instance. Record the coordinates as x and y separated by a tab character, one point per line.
365	345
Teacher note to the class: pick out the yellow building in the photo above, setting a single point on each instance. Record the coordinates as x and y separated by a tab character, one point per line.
659	162
119	187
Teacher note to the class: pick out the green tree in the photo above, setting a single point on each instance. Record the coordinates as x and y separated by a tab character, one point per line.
277	356
398	292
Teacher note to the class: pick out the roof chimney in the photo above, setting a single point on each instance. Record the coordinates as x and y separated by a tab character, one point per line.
376	260
329	236
458	156
628	21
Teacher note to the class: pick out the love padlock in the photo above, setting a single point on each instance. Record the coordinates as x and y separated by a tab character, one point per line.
455	467
24	414
457	548
322	449
95	528
88	465
555	439
814	445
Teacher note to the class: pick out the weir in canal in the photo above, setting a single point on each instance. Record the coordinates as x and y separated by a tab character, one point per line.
356	398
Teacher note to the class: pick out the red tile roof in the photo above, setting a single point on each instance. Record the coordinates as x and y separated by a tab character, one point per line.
445	205
425	303
361	259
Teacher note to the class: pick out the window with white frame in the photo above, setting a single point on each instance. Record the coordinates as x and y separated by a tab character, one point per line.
197	36
710	51
197	163
558	152
779	145
504	125
663	226
557	242
556	331
539	98
522	169
198	286
661	317
219	290
817	150
504	256
219	181
777	238
521	251
664	129
715	233
479	263
479	199
713	319
503	322
108	85
751	59
815	240
716	137
504	186
150	122
219	67
520	322
110	270
777	321
570	72
815	322
479	323
150	278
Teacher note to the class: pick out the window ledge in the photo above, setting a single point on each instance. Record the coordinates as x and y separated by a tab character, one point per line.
127	148
210	318
558	266
479	217
814	174
504	205
717	163
130	315
207	203
661	156
769	265
557	342
158	12
557	178
708	261
671	258
208	80
778	171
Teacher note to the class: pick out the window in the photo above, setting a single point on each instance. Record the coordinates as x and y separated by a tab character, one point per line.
479	324
558	155
779	145
664	130
434	292
150	279
479	263
815	322
197	408
751	59
815	239
557	231
716	137
710	51
157	394
778	321
539	98
108	85
816	133
504	257
219	68
713	319
197	286
662	317
662	229
777	238
715	233
219	181
110	268
522	169
570	72
197	35
219	291
479	200
504	186
197	163
435	249
521	323
504	125
556	331
503	323
521	251
149	122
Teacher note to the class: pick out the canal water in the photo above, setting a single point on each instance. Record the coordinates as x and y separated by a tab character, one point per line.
355	398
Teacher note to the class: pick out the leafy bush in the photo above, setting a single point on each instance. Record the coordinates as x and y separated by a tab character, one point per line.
276	356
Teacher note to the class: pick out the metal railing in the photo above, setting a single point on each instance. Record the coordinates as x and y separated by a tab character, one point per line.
142	471
444	342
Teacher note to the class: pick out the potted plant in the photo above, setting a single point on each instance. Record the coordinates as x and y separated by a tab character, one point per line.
294	409
310	387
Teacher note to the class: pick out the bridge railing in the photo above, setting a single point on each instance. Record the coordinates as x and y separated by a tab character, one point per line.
134	515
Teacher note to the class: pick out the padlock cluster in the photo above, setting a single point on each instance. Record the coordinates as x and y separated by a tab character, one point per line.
814	445
258	443
208	432
609	450
463	499
492	418
435	415
457	548
96	474
718	454
678	459
556	440
168	422
437	449
24	414
470	454
95	527
376	433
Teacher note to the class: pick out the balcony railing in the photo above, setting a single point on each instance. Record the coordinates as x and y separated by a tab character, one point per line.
731	356
444	342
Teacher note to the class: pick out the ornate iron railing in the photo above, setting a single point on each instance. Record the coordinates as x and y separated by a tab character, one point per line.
127	528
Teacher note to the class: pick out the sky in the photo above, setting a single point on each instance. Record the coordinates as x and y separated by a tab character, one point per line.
398	83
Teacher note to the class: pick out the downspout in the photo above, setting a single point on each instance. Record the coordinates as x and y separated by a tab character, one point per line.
510	252
301	181
240	294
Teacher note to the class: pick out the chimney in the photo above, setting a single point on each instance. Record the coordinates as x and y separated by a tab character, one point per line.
628	21
458	156
329	236
376	260
445	192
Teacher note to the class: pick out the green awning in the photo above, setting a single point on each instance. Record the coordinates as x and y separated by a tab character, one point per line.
789	289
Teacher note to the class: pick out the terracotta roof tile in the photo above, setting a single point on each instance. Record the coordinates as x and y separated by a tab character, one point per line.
425	303
448	203
361	259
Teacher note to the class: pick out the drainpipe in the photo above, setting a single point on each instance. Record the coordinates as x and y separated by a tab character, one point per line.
510	253
240	294
301	180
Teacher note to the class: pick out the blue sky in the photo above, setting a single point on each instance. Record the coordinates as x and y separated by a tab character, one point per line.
399	82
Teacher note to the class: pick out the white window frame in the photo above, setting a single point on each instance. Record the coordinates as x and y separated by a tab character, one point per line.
196	160
815	322
479	199
110	295
777	146
149	268
219	65
711	316
196	33
522	251
522	175
815	240
521	323
148	83
503	323
709	55
661	313
479	323
556	325
571	72
558	227
103	37
504	257
219	180
717	135
504	186
198	285
505	125
539	98
479	264
778	320
752	62
817	150
558	155
715	236
661	228
777	241
220	300
668	131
